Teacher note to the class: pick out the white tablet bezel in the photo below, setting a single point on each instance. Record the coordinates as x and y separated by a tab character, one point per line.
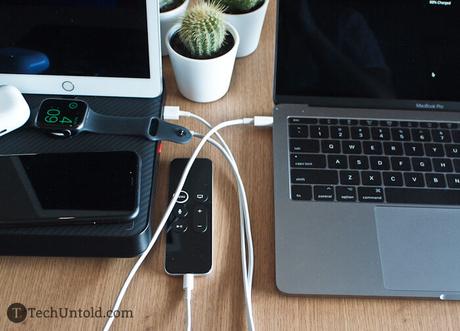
102	86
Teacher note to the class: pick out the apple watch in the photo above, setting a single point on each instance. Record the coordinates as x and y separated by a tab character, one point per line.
69	117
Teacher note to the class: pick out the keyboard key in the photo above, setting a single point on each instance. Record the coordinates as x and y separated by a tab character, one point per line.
442	165
345	193
301	192
456	136
323	193
380	163
359	162
393	148
337	161
392	179
304	145
421	135
369	122
453	181
330	146
449	125
423	196
349	177
429	125
400	134
435	180
328	121
308	161
434	150
441	136
414	179
340	132
372	148
389	123
370	194
327	177
348	122
457	165
452	150
380	133
421	164
298	131
414	149
319	131
351	147
302	120
371	178
362	133
408	124
400	163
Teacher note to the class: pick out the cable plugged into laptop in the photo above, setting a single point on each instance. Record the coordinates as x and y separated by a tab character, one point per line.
247	249
174	113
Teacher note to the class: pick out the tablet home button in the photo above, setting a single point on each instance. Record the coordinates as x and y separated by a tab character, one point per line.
68	86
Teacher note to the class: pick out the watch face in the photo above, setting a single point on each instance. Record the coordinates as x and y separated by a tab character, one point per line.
61	114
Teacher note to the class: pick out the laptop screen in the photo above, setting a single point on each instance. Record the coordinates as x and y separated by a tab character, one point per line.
362	53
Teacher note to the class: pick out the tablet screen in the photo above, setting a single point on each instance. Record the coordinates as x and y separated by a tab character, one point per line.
98	38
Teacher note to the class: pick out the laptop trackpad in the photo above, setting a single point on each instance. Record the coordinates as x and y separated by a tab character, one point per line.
419	248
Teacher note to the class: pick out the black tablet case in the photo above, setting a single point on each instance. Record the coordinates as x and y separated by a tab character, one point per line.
111	240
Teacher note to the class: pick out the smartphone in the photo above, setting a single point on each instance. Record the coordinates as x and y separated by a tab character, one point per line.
69	188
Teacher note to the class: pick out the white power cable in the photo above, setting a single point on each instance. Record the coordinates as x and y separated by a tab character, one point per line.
169	209
244	223
188	288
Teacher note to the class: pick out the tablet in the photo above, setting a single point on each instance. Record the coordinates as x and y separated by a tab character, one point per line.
81	47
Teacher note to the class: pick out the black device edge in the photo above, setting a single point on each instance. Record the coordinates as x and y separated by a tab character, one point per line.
87	246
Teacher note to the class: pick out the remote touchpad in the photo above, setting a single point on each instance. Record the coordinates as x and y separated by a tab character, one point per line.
419	248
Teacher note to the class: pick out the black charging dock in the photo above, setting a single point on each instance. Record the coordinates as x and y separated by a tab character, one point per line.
109	240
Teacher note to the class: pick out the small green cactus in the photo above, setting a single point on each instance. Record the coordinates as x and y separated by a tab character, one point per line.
164	3
203	29
240	6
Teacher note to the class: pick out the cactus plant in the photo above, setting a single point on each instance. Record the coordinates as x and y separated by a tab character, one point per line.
203	29
240	6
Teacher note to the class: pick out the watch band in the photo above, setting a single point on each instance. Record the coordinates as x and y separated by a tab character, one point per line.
151	128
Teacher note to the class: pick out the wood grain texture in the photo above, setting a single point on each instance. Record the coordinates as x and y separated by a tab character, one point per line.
156	299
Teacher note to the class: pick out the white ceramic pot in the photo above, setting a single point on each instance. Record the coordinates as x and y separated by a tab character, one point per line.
167	20
203	80
249	27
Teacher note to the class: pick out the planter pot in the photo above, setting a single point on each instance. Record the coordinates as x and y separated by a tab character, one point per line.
203	80
167	20
249	27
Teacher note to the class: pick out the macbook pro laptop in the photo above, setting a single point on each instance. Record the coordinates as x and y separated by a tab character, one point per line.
367	148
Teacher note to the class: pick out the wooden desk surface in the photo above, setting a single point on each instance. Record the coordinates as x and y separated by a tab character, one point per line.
156	299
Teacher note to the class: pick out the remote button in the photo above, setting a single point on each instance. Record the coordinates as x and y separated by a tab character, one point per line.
201	197
423	196
181	212
370	194
200	220
183	197
180	226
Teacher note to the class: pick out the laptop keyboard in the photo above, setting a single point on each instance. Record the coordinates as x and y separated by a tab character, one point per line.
375	161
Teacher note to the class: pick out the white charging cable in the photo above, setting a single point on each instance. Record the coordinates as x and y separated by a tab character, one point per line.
137	265
174	113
